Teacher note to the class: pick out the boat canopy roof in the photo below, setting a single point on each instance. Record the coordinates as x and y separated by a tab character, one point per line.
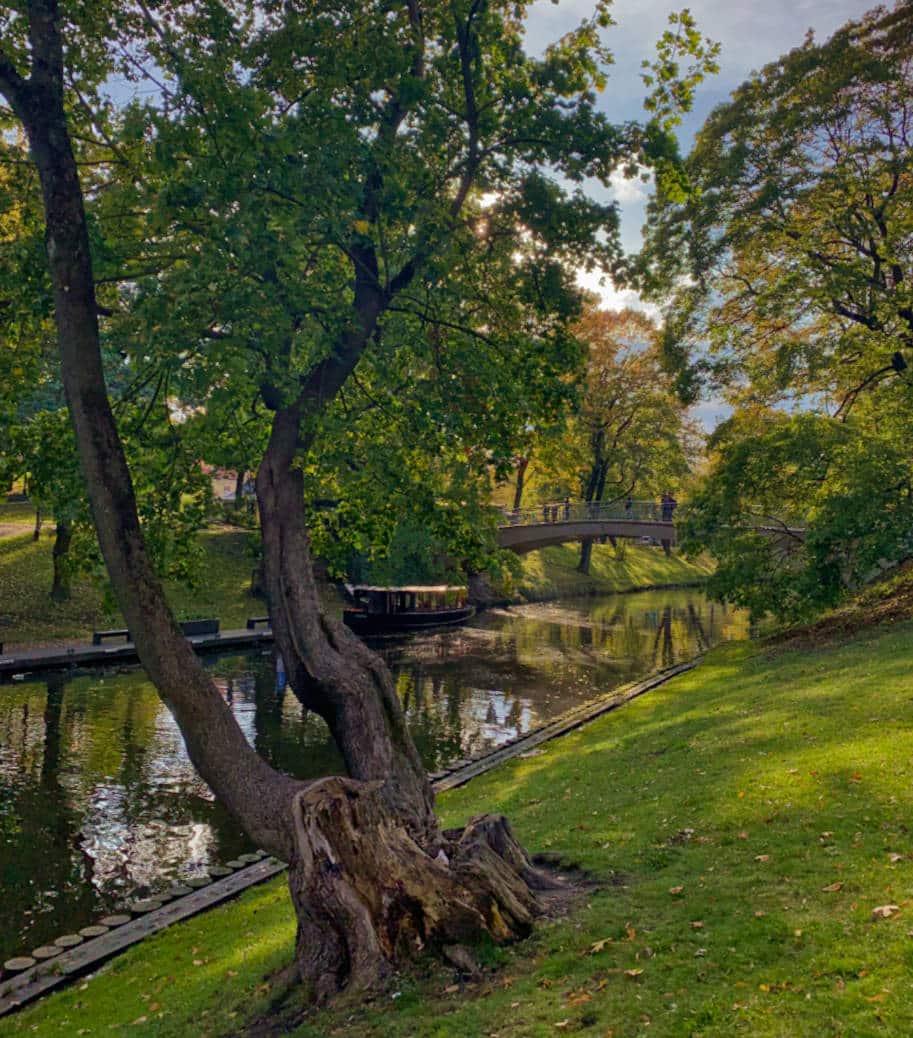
416	588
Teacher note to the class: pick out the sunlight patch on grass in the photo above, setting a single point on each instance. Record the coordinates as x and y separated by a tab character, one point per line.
743	822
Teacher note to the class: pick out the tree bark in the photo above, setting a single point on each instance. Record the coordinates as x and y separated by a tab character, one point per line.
330	670
522	466
258	797
60	586
36	533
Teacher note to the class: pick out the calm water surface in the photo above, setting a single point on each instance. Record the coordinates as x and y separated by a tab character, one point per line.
98	801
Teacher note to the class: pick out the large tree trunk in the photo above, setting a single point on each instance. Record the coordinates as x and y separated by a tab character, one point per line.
371	875
592	495
60	585
332	671
368	898
586	556
259	798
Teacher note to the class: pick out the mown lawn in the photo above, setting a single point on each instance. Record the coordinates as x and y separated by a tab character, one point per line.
743	823
29	617
552	572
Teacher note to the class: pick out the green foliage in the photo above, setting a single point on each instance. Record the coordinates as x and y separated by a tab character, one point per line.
787	281
844	490
786	270
303	190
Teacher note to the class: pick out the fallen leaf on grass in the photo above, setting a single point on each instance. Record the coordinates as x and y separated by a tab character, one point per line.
675	891
562	1025
451	989
580	999
597	946
633	974
697	925
894	858
762	857
885	911
832	888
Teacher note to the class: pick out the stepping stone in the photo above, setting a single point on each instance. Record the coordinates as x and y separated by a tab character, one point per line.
69	940
219	871
235	863
249	859
94	931
179	890
261	854
145	904
46	951
162	895
114	920
19	963
198	881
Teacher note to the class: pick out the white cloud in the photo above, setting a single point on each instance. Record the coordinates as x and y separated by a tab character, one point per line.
612	297
629	189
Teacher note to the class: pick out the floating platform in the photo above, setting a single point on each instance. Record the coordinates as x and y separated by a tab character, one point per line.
81	654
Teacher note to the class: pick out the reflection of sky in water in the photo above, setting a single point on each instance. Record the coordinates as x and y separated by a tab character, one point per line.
98	799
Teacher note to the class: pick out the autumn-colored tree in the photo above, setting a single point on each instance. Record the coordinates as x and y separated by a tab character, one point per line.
787	283
629	435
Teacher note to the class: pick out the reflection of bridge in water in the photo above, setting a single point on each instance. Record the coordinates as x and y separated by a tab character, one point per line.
650	522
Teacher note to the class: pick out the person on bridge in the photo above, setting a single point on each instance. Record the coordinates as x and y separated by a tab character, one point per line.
668	507
567	509
629	508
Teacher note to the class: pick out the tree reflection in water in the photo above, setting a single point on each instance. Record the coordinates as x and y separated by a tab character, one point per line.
98	799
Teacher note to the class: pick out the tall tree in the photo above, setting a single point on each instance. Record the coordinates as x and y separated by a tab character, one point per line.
787	279
283	261
629	434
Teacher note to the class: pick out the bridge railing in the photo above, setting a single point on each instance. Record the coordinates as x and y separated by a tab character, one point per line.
578	511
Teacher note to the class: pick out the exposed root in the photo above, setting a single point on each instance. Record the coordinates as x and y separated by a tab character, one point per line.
368	898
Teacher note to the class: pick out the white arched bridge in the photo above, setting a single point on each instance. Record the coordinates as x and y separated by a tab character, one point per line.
646	521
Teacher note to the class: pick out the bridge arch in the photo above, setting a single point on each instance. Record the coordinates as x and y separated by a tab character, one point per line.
531	529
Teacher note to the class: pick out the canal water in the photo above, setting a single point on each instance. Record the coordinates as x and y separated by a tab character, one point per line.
98	801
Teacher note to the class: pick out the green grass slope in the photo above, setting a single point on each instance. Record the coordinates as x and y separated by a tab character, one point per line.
743	821
552	572
28	617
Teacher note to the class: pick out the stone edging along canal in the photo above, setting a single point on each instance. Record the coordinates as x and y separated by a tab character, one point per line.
120	932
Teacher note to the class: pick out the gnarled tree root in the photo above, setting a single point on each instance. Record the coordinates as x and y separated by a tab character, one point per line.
368	897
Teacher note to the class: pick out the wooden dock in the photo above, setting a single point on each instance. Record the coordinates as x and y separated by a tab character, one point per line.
81	654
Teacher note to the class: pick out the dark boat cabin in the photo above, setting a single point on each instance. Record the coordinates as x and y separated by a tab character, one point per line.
375	610
390	600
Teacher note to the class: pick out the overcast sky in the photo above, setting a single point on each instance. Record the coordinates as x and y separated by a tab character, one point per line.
751	33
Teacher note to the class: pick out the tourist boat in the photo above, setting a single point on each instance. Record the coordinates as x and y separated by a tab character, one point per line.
398	610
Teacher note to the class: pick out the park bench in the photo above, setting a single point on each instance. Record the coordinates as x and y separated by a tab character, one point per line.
252	622
99	636
192	628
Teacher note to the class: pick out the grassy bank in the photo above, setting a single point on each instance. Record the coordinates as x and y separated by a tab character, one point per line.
552	572
28	617
743	821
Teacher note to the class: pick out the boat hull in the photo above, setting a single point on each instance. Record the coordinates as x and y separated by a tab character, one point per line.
374	624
